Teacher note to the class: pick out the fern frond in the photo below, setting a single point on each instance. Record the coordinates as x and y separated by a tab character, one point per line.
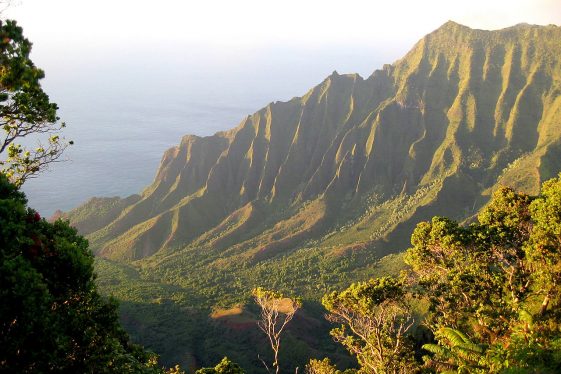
455	337
437	350
467	354
472	347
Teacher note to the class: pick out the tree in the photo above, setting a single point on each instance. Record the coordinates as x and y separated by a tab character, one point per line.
543	249
276	312
52	319
325	367
25	110
375	319
493	287
321	367
224	367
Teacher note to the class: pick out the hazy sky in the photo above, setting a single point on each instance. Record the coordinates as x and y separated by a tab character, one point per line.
258	22
212	33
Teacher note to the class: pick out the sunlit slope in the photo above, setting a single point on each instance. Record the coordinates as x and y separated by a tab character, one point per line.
355	163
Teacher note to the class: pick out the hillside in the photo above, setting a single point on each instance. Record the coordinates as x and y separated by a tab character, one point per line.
309	194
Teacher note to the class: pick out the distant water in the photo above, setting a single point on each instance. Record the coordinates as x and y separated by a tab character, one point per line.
117	150
122	117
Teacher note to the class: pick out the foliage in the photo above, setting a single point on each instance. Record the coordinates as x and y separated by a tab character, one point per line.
324	367
375	320
493	286
224	367
25	109
543	249
321	367
276	312
457	352
52	318
492	289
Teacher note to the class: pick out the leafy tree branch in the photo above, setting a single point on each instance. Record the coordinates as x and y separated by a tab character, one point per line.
25	111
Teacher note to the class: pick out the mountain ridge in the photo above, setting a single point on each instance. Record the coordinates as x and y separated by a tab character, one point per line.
454	109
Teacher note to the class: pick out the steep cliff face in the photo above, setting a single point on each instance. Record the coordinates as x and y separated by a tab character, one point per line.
432	133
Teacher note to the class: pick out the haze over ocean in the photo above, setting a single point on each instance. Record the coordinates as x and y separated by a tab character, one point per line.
123	114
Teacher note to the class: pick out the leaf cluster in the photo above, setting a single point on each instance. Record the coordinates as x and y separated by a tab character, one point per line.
25	110
492	291
493	286
52	319
223	367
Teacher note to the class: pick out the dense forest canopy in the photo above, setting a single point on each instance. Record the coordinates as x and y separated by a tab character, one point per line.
52	318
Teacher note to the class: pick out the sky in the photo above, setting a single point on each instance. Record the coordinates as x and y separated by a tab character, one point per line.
227	29
263	22
207	34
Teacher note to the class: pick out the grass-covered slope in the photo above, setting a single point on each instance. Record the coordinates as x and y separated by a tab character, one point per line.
306	195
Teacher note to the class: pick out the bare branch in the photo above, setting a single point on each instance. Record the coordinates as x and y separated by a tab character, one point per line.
276	312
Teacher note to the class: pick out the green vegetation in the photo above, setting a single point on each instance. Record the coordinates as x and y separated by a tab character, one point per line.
224	367
375	319
25	110
433	133
464	110
492	290
325	367
52	318
477	298
436	133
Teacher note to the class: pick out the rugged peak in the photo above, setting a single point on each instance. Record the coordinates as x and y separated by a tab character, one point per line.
524	25
451	27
